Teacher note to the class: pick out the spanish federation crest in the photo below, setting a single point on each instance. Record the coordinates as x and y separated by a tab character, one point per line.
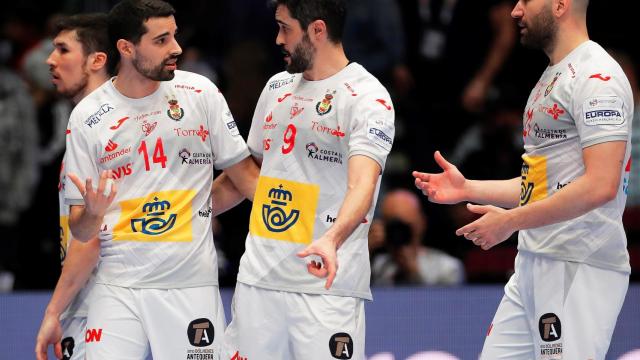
175	112
553	82
323	107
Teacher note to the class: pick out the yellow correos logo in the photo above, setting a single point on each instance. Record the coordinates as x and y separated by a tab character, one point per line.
284	210
163	216
533	186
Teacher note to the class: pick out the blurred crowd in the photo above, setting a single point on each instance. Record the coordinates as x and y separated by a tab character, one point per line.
458	77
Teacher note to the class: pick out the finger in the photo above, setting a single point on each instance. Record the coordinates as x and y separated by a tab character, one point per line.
57	350
316	269
41	354
114	191
478	209
77	182
331	271
420	175
440	160
104	175
89	186
467	229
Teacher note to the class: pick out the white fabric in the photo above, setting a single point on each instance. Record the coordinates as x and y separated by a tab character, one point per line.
305	132
284	325
127	323
162	149
583	100
580	301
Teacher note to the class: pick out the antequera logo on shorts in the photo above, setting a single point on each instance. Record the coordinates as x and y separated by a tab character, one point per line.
201	332
550	327
161	216
68	344
341	346
284	210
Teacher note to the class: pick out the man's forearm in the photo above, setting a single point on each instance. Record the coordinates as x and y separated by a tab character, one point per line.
80	261
224	194
502	193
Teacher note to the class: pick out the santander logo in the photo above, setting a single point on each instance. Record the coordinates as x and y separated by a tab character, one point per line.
111	146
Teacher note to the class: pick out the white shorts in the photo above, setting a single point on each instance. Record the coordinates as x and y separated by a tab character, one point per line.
555	310
73	331
173	324
271	324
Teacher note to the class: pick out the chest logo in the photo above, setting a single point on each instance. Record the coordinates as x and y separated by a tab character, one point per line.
324	106
175	112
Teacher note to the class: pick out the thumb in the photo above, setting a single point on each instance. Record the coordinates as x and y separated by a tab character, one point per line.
444	164
478	209
304	253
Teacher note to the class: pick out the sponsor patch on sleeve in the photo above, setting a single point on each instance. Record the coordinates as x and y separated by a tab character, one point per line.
380	132
231	124
603	110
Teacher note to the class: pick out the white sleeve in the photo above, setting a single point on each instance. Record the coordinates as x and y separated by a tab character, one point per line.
227	144
80	159
255	138
372	127
602	108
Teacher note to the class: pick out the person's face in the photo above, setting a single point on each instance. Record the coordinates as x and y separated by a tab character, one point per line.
68	64
156	54
294	42
538	27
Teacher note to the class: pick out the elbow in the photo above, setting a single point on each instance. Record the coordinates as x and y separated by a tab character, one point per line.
605	193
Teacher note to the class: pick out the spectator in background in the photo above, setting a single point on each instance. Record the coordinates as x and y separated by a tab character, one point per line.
373	37
455	74
407	261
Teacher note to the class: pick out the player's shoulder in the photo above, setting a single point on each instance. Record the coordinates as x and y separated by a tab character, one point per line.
357	77
191	82
93	106
595	63
281	81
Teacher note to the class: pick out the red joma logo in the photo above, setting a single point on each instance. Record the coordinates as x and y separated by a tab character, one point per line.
284	97
237	356
119	122
384	103
600	77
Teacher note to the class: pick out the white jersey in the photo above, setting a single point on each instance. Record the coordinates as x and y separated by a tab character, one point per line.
581	101
162	149
305	132
79	306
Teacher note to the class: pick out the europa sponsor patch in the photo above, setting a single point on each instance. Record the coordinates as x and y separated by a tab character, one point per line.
603	110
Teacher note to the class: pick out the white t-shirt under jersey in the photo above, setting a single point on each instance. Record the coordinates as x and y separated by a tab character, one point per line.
162	149
305	132
581	101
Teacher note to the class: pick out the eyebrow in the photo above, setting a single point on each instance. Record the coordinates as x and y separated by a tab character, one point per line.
161	35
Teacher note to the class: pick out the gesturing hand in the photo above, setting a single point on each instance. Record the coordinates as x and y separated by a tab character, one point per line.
96	201
446	187
50	333
328	267
492	228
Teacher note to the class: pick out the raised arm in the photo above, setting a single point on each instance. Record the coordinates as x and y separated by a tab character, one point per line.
451	187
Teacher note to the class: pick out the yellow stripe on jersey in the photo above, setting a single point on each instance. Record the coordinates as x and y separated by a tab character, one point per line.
534	179
64	236
284	210
163	216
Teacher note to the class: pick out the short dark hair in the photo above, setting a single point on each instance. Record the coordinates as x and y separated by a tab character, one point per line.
91	31
126	20
332	12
